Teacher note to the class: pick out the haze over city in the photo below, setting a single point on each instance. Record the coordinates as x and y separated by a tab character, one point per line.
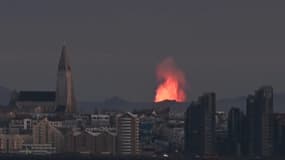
142	80
230	48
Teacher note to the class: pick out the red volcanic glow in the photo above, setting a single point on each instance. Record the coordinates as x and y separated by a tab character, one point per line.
172	82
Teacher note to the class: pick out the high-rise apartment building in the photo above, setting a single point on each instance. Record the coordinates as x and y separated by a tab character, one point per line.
236	132
260	122
200	126
128	134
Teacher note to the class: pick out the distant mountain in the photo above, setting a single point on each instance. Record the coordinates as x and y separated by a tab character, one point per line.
118	104
112	104
115	101
226	104
5	94
240	102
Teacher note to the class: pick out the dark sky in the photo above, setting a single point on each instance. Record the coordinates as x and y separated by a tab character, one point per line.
228	47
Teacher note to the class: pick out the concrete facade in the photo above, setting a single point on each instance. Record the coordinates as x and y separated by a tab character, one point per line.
45	133
65	99
128	134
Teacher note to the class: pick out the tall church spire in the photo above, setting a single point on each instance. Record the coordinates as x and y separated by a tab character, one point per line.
65	99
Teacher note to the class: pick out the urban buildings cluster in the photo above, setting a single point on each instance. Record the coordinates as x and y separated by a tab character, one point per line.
93	134
257	133
46	122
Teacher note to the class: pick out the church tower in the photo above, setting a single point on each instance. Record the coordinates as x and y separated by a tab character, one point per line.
65	99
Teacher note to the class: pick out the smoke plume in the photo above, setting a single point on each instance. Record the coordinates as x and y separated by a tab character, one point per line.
172	82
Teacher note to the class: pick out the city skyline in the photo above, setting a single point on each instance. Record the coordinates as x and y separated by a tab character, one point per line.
151	80
64	56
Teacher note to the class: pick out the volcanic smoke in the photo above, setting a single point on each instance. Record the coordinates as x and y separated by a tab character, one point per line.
171	80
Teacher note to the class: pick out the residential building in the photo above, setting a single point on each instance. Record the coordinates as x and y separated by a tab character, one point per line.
45	133
260	122
200	126
236	132
100	120
12	143
128	134
92	141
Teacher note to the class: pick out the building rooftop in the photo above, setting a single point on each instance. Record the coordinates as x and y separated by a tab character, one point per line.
36	96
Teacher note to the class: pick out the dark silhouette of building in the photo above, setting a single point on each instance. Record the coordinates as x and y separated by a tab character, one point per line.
35	101
279	134
221	134
200	126
236	132
260	122
65	99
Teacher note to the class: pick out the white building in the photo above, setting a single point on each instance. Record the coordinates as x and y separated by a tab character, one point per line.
23	123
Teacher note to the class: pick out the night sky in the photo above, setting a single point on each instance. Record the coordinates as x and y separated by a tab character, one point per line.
228	47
